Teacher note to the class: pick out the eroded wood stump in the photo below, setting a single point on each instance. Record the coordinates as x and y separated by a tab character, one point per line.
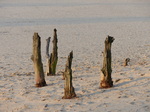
54	55
69	91
126	62
37	61
47	56
106	80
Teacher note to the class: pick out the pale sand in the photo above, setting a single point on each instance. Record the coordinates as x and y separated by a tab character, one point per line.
82	27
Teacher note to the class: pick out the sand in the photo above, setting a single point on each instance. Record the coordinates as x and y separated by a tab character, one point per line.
82	26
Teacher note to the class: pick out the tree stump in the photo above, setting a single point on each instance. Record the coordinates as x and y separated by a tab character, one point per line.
54	55
126	62
47	56
69	89
106	80
36	58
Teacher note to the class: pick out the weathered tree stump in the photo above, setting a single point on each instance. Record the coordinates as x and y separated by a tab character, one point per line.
106	80
36	58
69	89
47	56
126	62
54	55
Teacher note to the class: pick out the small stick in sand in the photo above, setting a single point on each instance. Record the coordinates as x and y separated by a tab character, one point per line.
37	61
54	55
126	62
69	89
106	80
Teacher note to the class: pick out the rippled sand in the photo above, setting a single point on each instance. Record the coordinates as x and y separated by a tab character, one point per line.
82	26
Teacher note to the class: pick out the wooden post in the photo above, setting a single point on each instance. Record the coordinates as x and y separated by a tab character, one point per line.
69	89
48	56
106	80
54	55
37	61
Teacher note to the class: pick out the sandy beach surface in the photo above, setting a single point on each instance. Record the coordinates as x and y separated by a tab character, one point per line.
82	26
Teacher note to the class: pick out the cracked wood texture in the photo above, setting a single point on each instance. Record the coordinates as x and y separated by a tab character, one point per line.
54	55
37	61
106	80
69	91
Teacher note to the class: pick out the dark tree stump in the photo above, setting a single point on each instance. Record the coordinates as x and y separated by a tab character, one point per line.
47	56
69	89
36	58
126	62
54	55
106	80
